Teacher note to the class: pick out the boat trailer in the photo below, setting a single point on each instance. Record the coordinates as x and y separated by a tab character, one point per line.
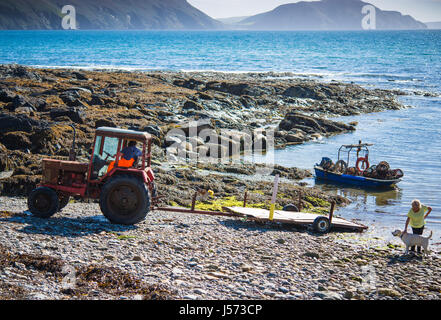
320	223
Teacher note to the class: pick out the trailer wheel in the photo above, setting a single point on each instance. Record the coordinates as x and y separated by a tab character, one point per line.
43	202
321	224
291	207
125	200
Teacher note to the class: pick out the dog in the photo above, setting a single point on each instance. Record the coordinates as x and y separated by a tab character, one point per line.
411	240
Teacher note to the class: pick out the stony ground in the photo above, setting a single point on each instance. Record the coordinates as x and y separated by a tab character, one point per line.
78	254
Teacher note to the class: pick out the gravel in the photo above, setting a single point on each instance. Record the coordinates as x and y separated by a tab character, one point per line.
189	256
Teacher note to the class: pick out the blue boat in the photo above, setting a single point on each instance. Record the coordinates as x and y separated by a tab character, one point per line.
362	175
359	181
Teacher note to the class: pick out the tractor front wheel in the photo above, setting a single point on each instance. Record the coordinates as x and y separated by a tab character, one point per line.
125	200
43	202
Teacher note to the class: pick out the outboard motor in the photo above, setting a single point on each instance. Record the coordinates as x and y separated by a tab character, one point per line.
326	163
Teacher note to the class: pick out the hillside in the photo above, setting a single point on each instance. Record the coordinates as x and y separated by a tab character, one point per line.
105	14
327	15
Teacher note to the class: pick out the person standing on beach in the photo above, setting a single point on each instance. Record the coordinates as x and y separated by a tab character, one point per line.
416	217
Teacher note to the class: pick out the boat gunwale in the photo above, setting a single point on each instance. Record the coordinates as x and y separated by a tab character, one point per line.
365	178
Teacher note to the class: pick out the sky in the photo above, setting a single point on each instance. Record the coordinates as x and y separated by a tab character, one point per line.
422	10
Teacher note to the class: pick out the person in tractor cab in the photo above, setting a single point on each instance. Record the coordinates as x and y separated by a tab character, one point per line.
130	157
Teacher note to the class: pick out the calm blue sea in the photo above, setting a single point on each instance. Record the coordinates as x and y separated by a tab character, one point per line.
408	60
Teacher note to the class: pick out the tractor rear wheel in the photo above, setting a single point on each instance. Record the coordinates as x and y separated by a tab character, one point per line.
125	200
43	202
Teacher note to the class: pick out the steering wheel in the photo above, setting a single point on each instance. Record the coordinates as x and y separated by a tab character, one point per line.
108	155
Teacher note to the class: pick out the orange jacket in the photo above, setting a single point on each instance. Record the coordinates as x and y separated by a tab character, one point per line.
121	163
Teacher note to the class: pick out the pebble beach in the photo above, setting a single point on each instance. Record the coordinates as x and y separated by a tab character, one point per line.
78	254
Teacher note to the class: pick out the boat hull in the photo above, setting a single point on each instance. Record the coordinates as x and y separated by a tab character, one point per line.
353	180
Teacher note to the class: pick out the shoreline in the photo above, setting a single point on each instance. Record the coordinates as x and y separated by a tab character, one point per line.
37	105
326	77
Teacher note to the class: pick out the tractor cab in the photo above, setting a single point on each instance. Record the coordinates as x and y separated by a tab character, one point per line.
108	157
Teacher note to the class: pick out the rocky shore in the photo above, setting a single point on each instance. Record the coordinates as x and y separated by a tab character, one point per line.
178	256
37	107
78	254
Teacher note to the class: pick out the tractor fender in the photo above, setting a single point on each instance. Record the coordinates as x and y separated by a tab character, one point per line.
146	177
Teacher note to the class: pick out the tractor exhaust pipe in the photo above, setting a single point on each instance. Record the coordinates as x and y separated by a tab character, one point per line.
72	153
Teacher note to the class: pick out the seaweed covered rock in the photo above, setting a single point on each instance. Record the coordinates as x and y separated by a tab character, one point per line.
189	83
304	91
20	102
6	95
38	105
10	123
5	162
16	140
238	89
191	105
19	185
44	141
297	137
105	123
309	124
291	173
17	71
75	114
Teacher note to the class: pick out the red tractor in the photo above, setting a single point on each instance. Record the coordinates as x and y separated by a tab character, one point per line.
122	190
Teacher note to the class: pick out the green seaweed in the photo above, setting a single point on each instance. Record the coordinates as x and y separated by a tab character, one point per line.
125	237
231	201
317	202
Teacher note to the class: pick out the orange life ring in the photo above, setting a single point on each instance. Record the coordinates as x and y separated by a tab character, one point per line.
365	164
